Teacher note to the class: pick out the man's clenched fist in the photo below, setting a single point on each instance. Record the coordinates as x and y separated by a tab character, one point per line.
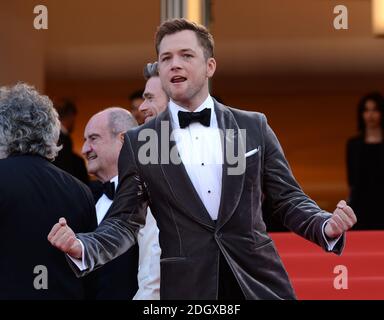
63	238
343	219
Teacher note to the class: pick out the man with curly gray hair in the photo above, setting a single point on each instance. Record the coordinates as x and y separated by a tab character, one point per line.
29	123
34	194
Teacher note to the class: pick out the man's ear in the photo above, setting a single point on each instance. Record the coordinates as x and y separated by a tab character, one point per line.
121	136
211	67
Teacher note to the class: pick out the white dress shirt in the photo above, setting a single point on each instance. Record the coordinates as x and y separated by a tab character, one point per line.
201	153
148	276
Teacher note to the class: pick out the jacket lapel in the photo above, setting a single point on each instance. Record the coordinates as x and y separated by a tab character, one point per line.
177	177
232	184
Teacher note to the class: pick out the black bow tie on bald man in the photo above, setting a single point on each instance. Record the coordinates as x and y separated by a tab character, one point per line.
109	189
186	118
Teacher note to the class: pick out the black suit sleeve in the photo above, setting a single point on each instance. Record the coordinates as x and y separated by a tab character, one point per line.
116	234
294	208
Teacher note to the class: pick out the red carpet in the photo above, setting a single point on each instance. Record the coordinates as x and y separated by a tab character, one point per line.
312	270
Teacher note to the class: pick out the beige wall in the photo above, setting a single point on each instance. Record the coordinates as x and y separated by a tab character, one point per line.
279	57
22	48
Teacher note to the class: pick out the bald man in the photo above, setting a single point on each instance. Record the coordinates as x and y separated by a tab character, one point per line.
135	274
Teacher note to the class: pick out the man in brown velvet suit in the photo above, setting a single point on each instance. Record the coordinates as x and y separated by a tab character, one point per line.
208	205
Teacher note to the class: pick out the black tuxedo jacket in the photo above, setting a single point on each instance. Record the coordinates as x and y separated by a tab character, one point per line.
34	194
191	242
116	280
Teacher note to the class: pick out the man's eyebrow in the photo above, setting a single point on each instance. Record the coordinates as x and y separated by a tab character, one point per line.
181	50
187	50
92	135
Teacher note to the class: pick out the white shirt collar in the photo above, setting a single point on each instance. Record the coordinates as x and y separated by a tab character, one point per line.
115	179
175	108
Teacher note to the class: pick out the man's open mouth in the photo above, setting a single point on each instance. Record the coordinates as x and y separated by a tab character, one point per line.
178	79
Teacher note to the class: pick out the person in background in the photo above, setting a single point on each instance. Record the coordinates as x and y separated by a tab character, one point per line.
136	99
155	98
67	159
134	274
33	194
365	163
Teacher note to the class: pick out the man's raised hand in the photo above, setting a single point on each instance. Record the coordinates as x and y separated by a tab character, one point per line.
343	219
63	238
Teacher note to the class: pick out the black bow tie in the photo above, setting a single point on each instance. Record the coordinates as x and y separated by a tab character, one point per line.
109	189
186	118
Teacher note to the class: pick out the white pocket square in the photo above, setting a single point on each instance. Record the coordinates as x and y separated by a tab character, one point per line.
252	152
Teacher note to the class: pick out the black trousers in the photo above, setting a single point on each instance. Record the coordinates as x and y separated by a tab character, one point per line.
229	288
